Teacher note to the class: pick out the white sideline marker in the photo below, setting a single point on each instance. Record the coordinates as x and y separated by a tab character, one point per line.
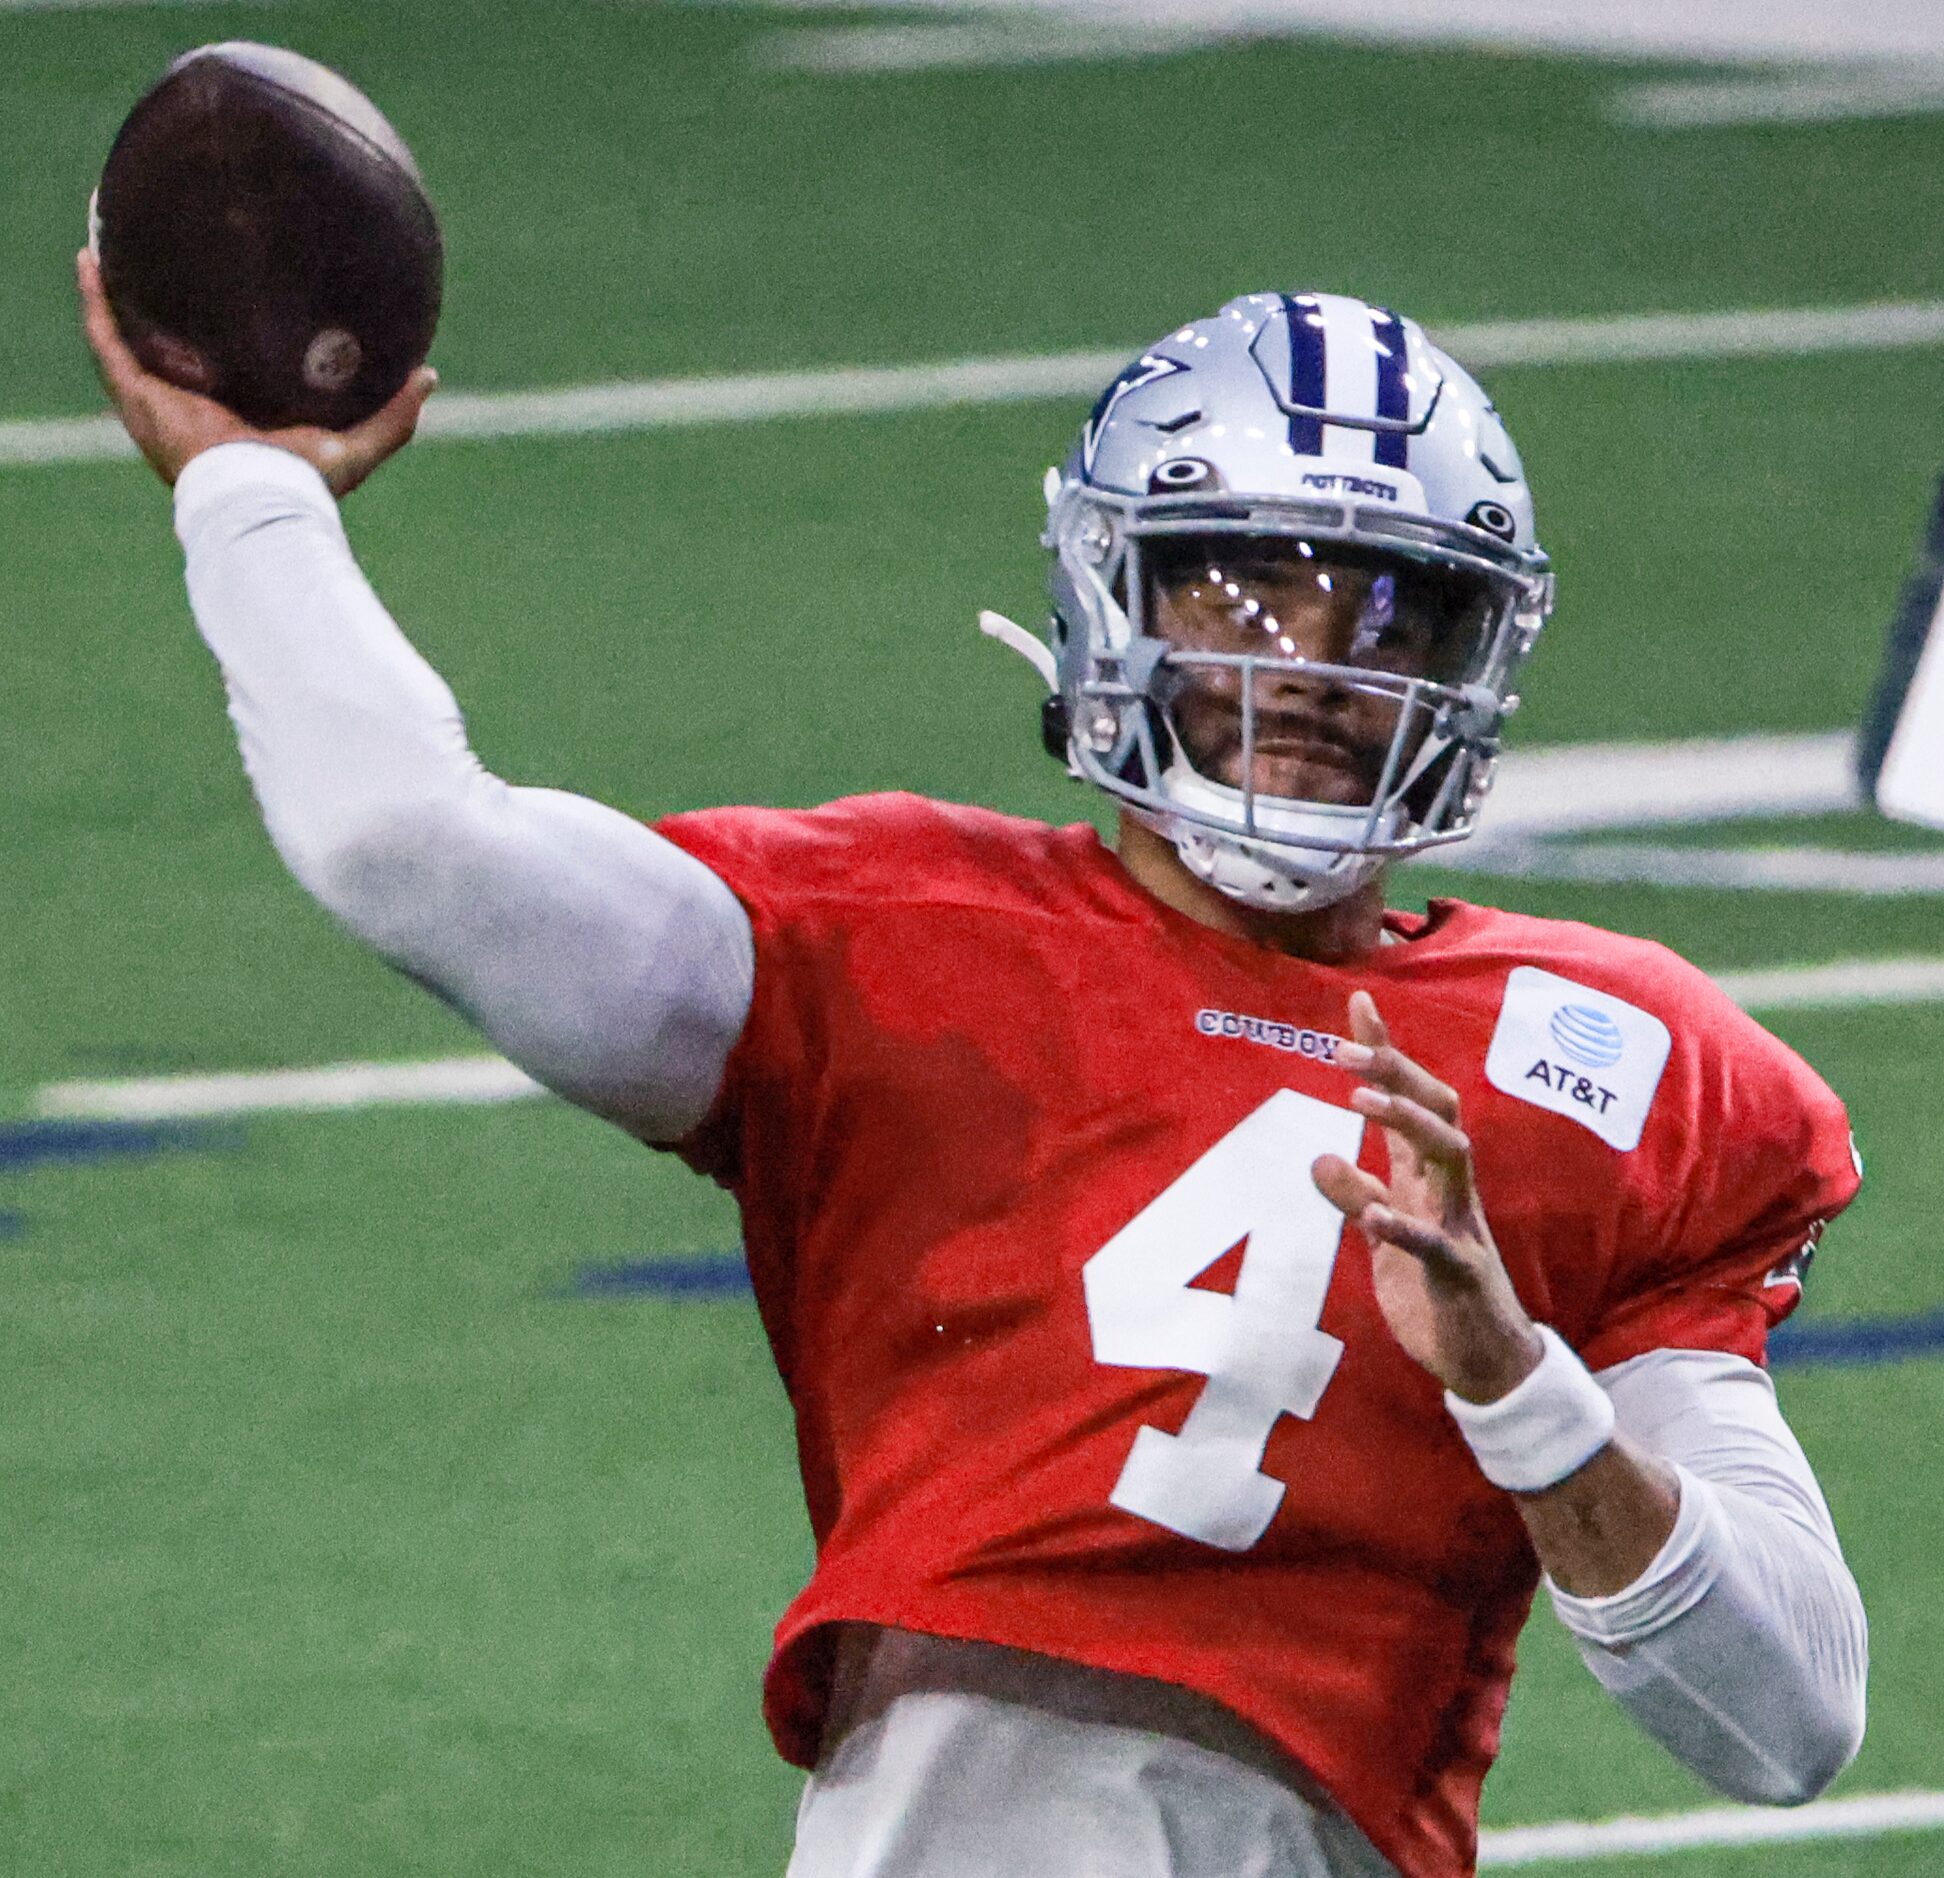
1575	788
1718	870
1726	31
1844	984
481	1081
1827	97
1857	1816
466	1080
96	6
846	391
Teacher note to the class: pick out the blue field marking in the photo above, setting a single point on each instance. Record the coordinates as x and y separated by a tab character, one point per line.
1856	1340
26	1145
1836	1341
683	1275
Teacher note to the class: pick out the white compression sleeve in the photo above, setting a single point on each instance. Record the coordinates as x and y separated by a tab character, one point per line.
605	961
1742	1649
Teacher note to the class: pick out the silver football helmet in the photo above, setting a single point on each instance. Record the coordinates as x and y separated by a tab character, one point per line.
1295	541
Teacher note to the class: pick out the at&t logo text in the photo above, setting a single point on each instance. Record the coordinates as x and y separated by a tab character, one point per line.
1563	1080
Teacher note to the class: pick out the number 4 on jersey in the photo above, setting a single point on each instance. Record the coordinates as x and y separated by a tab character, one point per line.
1261	1349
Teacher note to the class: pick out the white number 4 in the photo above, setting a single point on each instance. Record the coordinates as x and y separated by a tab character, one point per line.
1261	1349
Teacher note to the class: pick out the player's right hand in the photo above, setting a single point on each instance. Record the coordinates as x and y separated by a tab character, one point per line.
172	427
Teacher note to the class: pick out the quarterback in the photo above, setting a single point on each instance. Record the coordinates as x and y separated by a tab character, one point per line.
1211	1303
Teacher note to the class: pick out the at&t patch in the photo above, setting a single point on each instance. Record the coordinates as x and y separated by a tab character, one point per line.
1584	1054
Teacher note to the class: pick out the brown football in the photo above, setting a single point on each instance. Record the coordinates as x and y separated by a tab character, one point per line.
265	238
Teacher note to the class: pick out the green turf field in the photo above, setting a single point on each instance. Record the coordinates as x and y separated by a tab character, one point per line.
332	1540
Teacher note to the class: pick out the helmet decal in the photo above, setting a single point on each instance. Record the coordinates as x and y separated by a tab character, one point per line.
1149	369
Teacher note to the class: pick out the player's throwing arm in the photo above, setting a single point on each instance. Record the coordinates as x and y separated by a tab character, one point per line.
604	961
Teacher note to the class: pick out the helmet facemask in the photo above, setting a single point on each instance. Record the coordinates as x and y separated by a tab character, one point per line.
1290	697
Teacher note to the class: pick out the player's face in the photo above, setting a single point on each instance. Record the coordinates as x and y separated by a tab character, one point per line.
1317	737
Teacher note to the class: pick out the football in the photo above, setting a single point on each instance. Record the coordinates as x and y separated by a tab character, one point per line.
265	238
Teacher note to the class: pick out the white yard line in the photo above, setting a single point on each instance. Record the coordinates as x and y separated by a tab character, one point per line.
481	1081
972	45
1577	787
465	1080
1845	984
93	6
1715	31
1810	97
1858	1816
1735	870
665	403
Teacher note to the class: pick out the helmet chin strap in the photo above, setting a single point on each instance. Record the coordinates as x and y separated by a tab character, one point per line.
1279	872
1252	880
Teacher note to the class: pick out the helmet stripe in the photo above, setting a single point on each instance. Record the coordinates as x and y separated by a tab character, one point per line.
1393	393
1351	391
1308	368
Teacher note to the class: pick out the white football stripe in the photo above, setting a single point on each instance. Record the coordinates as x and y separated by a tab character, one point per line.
1844	984
665	403
1856	1816
1576	787
465	1080
89	6
978	45
1740	870
1712	31
1833	97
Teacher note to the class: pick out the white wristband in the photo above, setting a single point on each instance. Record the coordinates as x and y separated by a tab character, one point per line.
1550	1426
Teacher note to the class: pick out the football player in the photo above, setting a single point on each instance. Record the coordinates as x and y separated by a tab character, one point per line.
1210	1302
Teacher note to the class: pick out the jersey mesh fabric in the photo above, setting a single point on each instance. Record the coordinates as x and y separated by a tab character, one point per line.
976	1051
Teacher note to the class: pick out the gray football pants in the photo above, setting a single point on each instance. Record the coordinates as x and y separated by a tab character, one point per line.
956	1760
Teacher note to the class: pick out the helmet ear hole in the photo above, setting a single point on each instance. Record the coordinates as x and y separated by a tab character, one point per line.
1495	519
1183	475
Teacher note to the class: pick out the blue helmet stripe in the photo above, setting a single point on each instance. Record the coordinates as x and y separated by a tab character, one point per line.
1393	395
1307	364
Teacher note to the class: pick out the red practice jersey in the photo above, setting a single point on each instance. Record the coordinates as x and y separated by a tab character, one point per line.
1080	1361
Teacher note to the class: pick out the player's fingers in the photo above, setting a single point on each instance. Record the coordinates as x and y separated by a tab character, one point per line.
1432	1247
121	372
388	430
399	419
391	427
1367	1027
1346	1186
1389	1068
1430	1135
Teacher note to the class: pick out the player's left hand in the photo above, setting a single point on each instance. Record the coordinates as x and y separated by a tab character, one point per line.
1440	1282
172	427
